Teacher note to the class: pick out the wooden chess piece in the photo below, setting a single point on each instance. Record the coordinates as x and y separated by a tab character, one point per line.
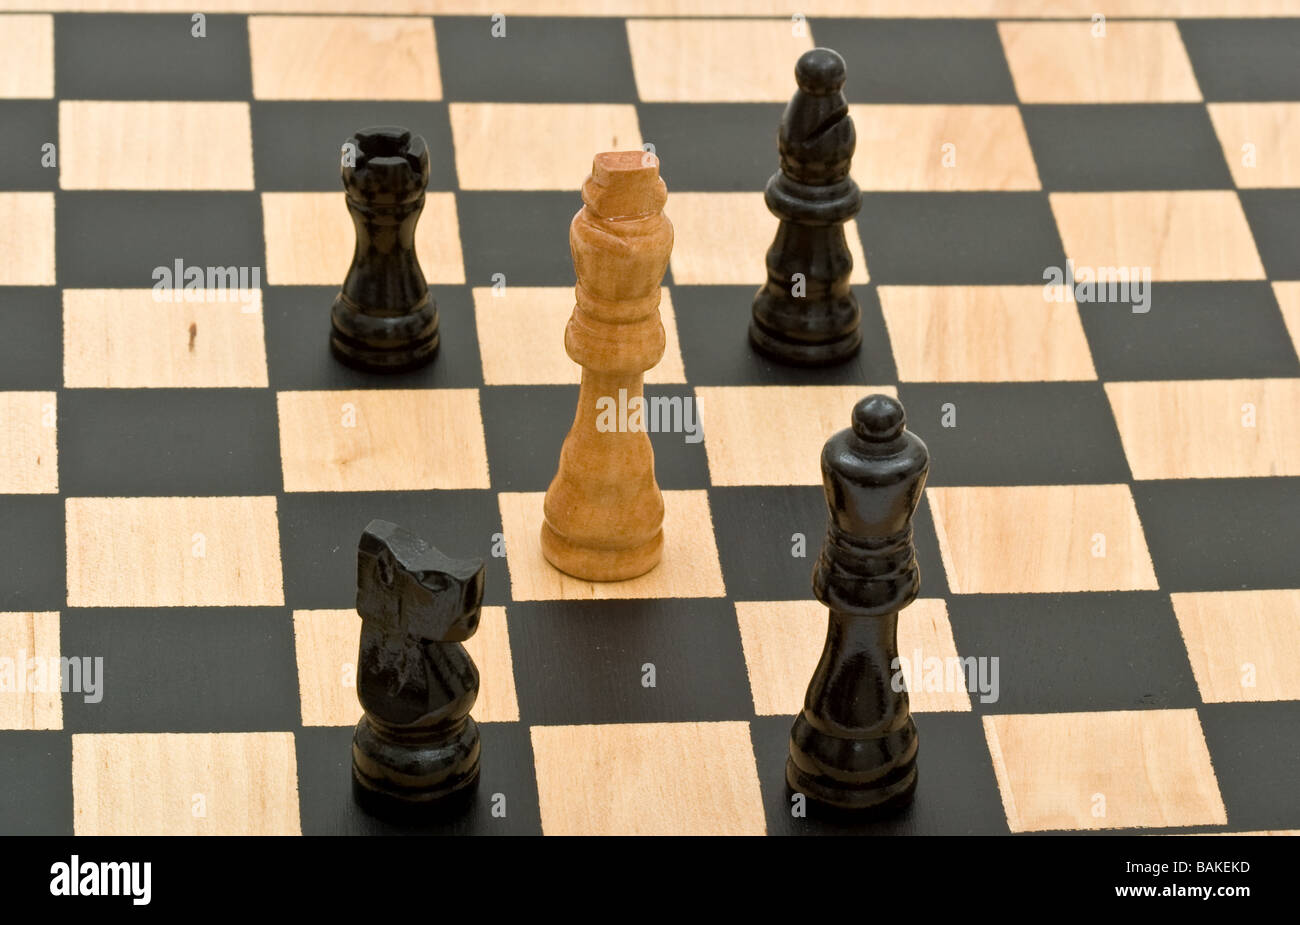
416	747
603	511
854	745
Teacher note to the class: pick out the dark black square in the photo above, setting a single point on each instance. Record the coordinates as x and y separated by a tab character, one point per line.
319	532
1255	748
31	352
151	57
713	147
31	546
297	145
1274	217
37	794
959	238
29	126
1204	330
125	442
1032	433
526	426
1074	652
184	670
523	236
1244	59
298	354
593	662
538	60
507	784
956	792
117	239
1126	147
713	327
919	60
1221	534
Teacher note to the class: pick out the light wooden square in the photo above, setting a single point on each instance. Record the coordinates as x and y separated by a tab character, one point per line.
1209	428
343	58
123	339
1288	299
155	146
233	783
1243	645
773	434
648	779
510	146
30	698
327	644
310	239
722	239
984	334
1028	539
173	552
382	440
905	147
783	642
689	568
29	446
521	337
1116	770
1063	62
26	239
715	60
1261	142
26	57
1182	235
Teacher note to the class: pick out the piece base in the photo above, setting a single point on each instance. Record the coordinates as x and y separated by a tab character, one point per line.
798	353
591	564
374	360
827	797
409	805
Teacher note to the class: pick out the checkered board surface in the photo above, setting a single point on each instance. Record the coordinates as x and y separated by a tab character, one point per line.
182	495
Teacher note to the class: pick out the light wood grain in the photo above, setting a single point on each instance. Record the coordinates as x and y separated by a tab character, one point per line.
1243	645
382	440
1208	429
1183	235
26	56
25	636
689	568
26	239
29	454
1029	539
173	552
243	783
648	779
1115	770
1288	299
773	434
1272	130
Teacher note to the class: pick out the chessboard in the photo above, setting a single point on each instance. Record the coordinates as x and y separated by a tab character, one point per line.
1108	633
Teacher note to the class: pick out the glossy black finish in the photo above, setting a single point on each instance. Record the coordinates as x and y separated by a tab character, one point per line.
384	318
417	747
854	745
806	314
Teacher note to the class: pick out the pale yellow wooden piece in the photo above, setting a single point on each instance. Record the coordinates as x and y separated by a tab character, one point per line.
1243	645
722	240
518	346
511	146
123	339
1205	429
689	568
310	239
173	552
1288	298
1181	235
382	440
26	56
1261	142
26	239
1027	539
715	61
984	334
344	58
29	448
155	146
1114	770
30	698
905	147
774	434
327	642
235	783
648	779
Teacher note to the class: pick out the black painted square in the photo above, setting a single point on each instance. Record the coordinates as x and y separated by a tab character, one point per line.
713	147
1274	216
1255	748
37	794
31	352
31	546
1244	59
29	126
523	236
